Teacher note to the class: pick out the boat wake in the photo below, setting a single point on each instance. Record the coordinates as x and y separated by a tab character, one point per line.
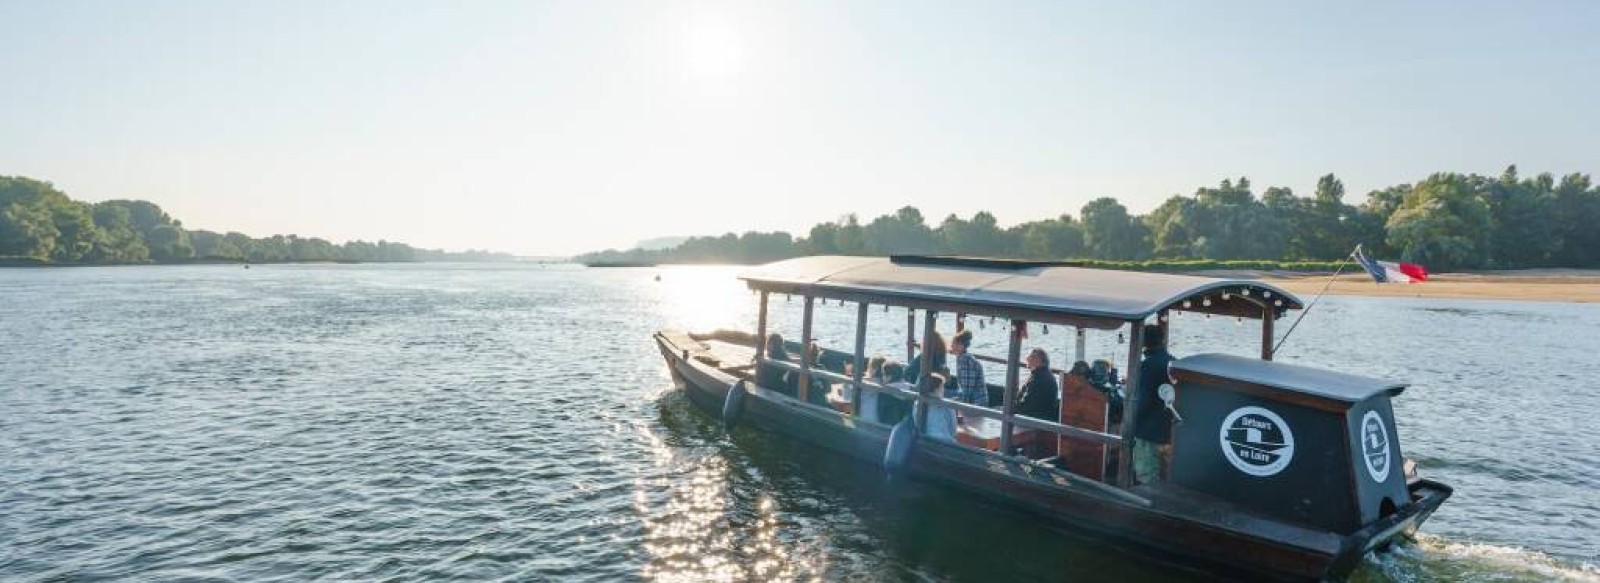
1437	559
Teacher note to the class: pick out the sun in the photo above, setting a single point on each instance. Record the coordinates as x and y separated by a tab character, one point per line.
714	48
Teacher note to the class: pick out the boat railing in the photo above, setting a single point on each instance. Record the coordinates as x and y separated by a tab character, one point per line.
1025	422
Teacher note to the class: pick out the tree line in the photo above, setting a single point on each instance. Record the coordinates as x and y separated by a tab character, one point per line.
1446	221
41	225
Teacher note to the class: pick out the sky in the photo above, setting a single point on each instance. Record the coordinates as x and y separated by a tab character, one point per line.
553	128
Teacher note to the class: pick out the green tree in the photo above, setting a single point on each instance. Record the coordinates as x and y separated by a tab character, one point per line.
1576	218
120	242
1442	223
980	236
904	232
1110	233
168	243
1058	238
1522	210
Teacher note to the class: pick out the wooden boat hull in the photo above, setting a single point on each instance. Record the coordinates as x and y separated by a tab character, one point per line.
1226	542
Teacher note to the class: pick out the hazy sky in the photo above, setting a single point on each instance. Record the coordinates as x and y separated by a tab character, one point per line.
554	128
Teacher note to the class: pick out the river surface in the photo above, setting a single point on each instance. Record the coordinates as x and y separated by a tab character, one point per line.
515	422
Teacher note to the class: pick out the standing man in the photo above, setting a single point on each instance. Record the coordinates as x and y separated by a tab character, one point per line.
1152	429
970	387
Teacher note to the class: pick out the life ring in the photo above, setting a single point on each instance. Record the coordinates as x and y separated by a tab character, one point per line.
733	405
902	439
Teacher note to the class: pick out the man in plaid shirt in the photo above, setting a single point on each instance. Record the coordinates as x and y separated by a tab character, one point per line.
969	373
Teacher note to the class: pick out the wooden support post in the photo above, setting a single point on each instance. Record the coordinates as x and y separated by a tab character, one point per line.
861	357
805	349
1267	320
924	367
1080	350
911	336
1164	323
761	329
1130	407
1013	378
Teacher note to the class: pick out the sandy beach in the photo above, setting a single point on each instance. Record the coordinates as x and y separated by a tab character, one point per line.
1552	285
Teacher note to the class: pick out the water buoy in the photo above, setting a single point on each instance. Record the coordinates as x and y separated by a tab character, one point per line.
901	440
733	405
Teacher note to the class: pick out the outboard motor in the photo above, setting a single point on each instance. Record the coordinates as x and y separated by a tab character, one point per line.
1307	445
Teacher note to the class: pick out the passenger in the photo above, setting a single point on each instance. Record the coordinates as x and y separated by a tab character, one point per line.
941	421
868	407
1152	422
819	388
930	360
1041	396
970	387
772	377
892	409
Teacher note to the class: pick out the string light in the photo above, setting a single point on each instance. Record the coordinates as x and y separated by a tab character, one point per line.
1226	297
1238	321
1244	292
1278	303
1206	303
1187	304
1266	294
1046	329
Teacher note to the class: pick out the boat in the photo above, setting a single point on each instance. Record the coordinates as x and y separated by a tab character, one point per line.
1276	471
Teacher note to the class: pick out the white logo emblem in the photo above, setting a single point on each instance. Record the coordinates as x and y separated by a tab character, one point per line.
1375	446
1257	441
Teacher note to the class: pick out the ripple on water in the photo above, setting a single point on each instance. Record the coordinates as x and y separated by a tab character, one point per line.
513	422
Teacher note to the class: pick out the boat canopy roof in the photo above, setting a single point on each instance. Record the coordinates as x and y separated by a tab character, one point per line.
1324	384
1041	291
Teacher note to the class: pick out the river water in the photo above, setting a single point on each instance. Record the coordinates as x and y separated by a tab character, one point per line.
515	422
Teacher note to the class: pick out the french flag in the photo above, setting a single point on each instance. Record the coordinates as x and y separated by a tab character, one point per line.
1389	272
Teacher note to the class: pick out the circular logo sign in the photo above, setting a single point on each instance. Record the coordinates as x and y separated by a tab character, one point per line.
1375	446
1257	441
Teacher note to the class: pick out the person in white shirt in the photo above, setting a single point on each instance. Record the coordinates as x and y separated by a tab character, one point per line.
868	407
941	423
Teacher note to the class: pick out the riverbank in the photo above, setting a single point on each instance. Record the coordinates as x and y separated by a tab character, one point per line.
1547	285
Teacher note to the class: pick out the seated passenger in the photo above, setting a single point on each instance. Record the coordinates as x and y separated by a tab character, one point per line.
892	409
772	377
941	421
1040	398
817	392
868	407
970	387
930	360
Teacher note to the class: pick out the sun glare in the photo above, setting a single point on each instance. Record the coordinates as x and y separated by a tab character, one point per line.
702	299
713	48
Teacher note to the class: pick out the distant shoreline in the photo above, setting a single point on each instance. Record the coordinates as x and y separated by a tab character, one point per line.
1543	285
11	262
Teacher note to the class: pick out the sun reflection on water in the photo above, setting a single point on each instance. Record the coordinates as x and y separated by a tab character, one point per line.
691	529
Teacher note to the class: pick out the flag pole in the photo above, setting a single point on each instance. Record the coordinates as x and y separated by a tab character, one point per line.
1314	300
